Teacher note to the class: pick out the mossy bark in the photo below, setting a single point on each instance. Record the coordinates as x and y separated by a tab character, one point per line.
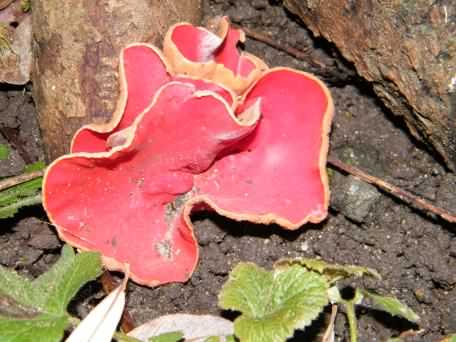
76	48
406	49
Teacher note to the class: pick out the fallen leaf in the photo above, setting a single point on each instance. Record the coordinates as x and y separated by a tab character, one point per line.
101	323
196	328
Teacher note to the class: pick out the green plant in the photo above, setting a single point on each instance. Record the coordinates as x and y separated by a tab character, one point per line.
23	194
35	310
273	304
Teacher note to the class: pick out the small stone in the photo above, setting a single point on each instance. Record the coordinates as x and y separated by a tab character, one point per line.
353	198
423	295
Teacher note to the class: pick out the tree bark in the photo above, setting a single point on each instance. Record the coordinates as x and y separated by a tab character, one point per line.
407	49
76	49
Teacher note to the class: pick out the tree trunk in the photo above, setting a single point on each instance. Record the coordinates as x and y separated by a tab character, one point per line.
407	49
76	49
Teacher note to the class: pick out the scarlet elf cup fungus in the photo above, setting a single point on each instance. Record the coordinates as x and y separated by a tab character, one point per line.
186	136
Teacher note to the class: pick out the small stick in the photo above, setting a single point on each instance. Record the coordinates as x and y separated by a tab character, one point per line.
329	333
267	39
127	322
12	181
397	192
296	53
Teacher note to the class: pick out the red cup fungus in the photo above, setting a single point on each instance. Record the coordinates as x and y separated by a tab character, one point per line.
201	126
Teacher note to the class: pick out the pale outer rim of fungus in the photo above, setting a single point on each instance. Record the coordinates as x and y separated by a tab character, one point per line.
268	218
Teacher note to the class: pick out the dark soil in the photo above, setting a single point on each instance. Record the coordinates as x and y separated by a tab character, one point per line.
415	253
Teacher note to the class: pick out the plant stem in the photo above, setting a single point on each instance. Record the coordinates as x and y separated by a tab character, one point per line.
352	321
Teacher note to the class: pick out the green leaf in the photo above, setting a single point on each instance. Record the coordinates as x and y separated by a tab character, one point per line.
174	336
453	338
273	304
391	305
4	152
18	196
332	272
41	328
11	209
23	194
35	310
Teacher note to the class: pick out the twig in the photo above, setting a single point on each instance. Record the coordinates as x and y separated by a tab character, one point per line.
292	51
261	37
329	333
397	192
12	181
127	322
